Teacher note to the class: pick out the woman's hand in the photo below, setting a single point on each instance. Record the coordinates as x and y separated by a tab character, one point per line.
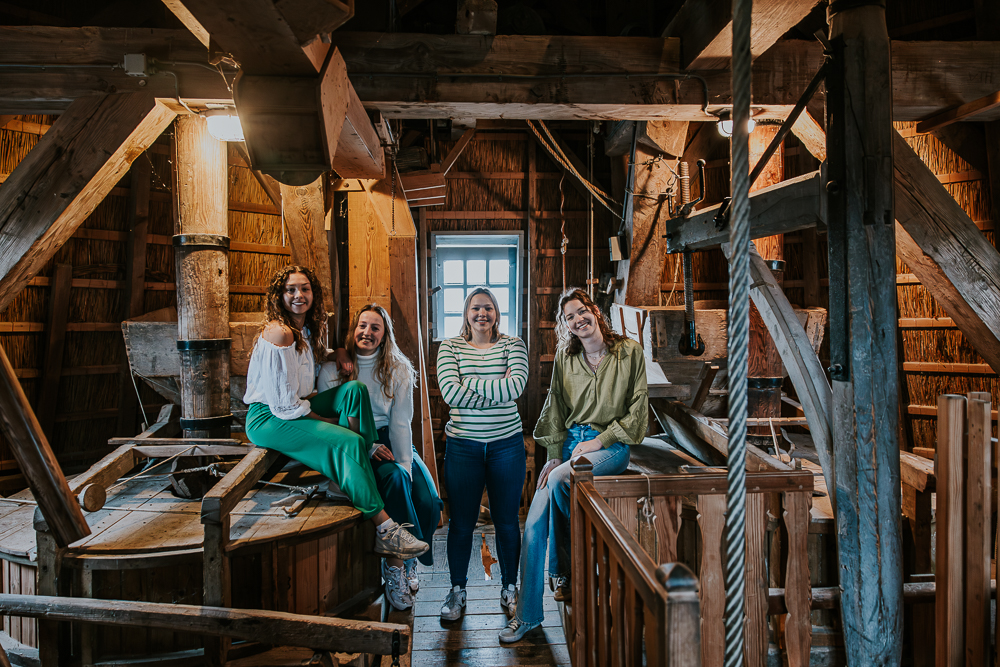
586	447
343	361
507	374
543	476
383	453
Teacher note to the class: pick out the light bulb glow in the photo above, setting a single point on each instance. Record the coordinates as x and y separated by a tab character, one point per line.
225	127
726	126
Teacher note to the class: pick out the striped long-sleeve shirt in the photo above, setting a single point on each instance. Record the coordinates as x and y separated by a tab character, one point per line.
472	382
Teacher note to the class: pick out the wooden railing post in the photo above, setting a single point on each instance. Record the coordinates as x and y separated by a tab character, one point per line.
681	623
582	471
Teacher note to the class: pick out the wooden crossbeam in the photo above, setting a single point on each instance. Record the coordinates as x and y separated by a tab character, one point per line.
268	627
705	28
64	178
947	252
798	203
963	112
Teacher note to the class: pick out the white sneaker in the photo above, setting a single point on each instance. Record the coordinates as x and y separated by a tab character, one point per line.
397	591
508	599
515	631
396	541
453	604
411	575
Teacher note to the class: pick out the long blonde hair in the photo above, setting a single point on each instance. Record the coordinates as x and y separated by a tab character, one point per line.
316	318
391	365
466	332
567	339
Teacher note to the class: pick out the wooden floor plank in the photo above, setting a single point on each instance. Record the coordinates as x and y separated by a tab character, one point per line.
448	640
495	657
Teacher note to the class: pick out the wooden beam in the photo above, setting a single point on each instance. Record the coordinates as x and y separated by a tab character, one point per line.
67	174
46	91
305	214
36	461
309	19
649	211
798	203
456	150
864	414
962	112
368	254
320	633
947	252
706	29
798	357
359	151
253	31
393	212
811	134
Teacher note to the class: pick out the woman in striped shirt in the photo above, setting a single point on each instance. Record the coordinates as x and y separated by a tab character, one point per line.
481	372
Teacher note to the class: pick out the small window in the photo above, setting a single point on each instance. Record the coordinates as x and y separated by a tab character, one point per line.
463	262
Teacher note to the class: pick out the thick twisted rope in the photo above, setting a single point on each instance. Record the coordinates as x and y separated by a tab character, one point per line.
739	337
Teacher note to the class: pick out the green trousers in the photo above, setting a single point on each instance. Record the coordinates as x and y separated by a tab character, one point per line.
335	451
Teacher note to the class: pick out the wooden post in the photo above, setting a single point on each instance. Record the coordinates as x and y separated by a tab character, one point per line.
201	249
532	395
62	282
681	629
135	278
583	471
765	373
304	211
978	537
862	333
948	576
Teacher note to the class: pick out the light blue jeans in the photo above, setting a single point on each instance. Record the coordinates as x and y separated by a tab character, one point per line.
550	512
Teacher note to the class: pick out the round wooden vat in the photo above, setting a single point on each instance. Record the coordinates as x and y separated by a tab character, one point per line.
146	546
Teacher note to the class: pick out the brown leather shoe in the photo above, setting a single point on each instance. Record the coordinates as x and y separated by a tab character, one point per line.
564	590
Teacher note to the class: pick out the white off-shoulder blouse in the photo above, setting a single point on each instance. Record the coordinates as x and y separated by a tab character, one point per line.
281	377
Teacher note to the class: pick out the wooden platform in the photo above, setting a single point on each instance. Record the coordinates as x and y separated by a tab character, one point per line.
472	640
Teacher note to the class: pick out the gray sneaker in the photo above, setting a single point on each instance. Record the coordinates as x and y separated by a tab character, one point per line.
396	541
508	599
397	589
515	631
453	604
411	575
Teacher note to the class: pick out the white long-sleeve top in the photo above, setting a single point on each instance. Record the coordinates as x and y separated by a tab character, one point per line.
396	413
281	377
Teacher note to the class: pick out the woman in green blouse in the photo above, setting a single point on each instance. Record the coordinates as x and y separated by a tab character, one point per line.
597	406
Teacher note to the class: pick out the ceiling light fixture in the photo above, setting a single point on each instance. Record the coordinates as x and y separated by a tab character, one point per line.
224	124
725	124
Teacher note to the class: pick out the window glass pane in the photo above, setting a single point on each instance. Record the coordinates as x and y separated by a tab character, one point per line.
454	298
499	272
453	273
477	271
505	326
503	298
452	326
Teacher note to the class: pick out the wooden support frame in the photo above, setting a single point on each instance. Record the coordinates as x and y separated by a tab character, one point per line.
798	203
962	112
947	252
55	329
304	210
68	173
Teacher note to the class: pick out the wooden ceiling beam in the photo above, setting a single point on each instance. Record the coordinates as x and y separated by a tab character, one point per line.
963	112
66	175
705	28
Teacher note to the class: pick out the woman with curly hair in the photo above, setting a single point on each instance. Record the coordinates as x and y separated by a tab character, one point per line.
330	431
598	405
403	480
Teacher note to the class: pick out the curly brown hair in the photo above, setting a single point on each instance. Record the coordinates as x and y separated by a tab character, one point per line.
391	363
316	318
568	340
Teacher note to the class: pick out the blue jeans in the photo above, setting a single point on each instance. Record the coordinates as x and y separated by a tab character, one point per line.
414	501
469	467
550	511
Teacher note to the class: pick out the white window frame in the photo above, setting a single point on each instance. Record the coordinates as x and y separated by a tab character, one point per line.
471	245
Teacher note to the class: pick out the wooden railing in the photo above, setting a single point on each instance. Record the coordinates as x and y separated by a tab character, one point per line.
606	555
624	597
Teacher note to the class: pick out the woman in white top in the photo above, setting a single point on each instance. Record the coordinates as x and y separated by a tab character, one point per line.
402	478
330	432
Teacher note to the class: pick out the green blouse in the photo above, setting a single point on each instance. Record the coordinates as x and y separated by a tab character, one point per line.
614	400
